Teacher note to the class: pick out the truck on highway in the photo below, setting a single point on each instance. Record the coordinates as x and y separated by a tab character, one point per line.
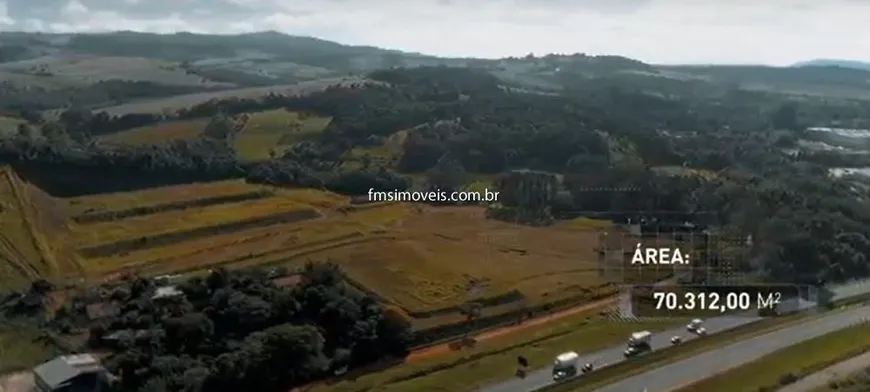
565	365
638	343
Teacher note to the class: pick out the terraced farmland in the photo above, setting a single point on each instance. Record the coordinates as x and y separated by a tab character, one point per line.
427	260
420	258
27	228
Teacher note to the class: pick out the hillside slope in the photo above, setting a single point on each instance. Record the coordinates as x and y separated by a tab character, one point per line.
108	69
834	63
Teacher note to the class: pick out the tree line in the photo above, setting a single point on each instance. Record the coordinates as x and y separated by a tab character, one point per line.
236	330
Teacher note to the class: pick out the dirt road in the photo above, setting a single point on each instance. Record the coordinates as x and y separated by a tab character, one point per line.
444	348
16	382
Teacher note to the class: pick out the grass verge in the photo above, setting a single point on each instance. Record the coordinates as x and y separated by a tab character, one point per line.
857	381
21	348
610	374
495	359
789	364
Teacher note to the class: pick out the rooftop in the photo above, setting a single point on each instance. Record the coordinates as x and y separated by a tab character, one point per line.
166	292
61	369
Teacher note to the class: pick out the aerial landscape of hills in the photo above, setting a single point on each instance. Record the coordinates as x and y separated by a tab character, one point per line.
235	169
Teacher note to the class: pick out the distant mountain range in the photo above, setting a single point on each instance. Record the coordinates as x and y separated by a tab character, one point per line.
47	68
834	63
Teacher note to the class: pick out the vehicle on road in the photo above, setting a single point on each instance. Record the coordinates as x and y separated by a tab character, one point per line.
587	368
676	340
638	343
701	331
642	337
694	325
565	365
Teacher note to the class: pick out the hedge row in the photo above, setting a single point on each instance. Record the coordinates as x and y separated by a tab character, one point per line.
496	300
200	232
440	333
109	216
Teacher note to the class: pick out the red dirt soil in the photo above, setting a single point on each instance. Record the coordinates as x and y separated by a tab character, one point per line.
445	348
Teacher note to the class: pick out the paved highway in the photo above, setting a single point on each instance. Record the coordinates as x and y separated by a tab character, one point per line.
611	356
679	374
544	377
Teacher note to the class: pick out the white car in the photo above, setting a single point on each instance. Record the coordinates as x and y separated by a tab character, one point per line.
701	331
676	340
694	325
586	368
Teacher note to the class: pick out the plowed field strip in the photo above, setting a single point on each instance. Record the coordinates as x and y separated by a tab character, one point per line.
108	216
164	261
286	257
205	231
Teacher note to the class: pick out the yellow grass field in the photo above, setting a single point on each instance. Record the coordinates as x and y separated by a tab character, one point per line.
150	225
155	196
20	256
384	155
421	258
266	133
9	125
159	133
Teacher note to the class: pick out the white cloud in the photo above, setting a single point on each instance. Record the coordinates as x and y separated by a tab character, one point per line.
5	20
663	31
75	8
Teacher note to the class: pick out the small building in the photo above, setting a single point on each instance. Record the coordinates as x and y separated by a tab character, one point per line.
166	292
71	373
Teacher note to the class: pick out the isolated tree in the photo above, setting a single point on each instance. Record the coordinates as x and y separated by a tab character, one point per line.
472	310
785	117
447	175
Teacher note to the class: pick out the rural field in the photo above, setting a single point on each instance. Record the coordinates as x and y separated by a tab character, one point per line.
91	69
9	125
184	101
265	133
427	260
423	259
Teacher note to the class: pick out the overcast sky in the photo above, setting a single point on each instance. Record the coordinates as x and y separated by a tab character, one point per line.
776	32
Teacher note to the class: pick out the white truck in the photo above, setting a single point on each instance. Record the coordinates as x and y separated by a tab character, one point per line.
565	365
638	343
